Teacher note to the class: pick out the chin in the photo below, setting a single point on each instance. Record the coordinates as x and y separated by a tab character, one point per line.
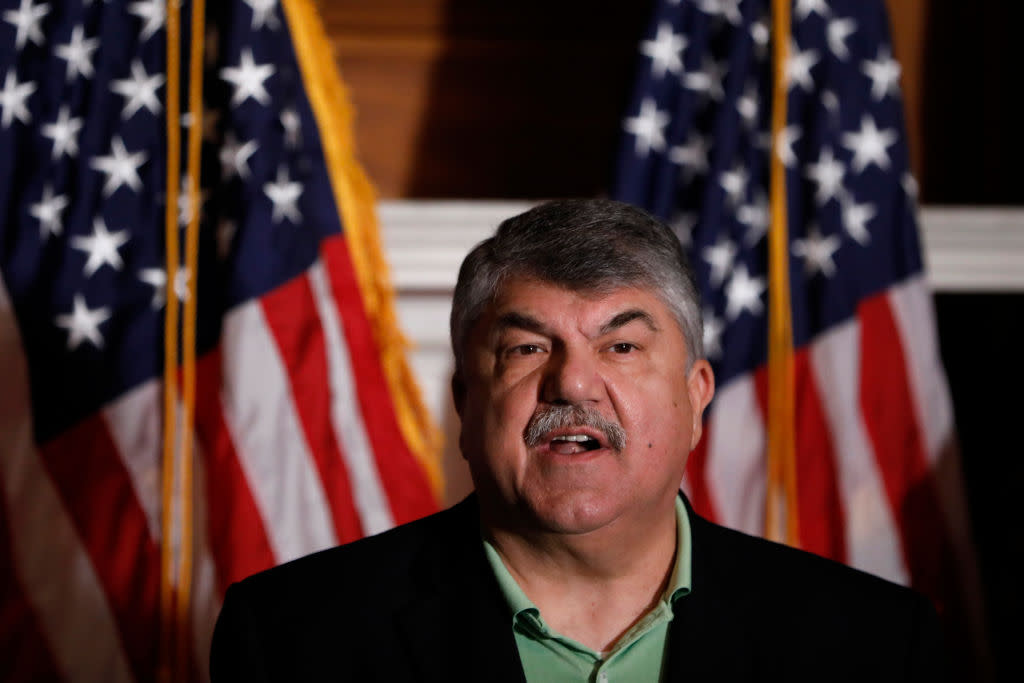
574	513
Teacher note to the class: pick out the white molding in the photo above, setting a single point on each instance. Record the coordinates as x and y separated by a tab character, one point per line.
966	248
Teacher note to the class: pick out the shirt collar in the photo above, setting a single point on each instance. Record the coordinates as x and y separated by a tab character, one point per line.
679	585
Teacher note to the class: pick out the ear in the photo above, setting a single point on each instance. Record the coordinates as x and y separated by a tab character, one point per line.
458	392
701	386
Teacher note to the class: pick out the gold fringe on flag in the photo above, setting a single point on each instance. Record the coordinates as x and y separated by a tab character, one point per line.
356	200
781	491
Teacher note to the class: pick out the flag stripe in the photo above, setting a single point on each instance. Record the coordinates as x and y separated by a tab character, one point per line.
292	319
135	423
735	462
872	539
821	515
237	534
367	491
97	491
888	411
205	599
404	479
259	410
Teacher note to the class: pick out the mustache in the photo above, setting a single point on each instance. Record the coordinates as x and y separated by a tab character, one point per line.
549	418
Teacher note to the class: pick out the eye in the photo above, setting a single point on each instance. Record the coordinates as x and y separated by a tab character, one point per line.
622	348
524	350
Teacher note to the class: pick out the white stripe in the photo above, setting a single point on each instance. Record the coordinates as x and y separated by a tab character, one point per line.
260	414
205	601
915	319
735	464
53	568
872	538
135	424
368	492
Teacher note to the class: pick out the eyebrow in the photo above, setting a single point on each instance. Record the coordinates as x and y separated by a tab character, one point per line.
626	317
514	319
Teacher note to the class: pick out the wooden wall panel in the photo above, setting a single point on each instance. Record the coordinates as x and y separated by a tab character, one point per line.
469	99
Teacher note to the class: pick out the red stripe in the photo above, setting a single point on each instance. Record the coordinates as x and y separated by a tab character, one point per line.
97	491
819	506
822	522
403	477
696	475
24	654
898	441
291	314
237	536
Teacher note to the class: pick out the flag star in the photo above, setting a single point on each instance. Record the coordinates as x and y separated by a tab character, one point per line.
665	51
805	8
78	53
26	21
693	156
648	127
708	79
831	102
748	105
884	72
817	252
121	167
48	212
12	100
713	328
734	183
139	90
102	247
247	78
185	208
855	218
828	174
292	125
153	13
784	144
263	13
743	293
798	66
83	323
64	133
683	224
720	257
283	194
836	34
909	184
157	278
234	158
728	9
760	33
755	217
869	144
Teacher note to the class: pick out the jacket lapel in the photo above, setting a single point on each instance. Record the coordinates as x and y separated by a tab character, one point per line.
458	628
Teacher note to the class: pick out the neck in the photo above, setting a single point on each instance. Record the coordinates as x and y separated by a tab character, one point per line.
592	587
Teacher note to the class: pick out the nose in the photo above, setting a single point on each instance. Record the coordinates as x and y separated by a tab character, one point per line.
571	376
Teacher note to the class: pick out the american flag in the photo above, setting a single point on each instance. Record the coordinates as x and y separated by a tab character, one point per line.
873	414
307	431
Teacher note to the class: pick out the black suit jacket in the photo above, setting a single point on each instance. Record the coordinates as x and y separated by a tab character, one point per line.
419	603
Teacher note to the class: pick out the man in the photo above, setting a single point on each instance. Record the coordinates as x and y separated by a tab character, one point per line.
581	384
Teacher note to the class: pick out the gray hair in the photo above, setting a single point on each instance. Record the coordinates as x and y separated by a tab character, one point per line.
586	245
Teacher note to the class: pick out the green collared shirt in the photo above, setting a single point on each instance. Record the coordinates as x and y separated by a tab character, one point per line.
640	653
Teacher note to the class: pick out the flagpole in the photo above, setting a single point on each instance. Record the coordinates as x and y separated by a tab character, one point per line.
781	521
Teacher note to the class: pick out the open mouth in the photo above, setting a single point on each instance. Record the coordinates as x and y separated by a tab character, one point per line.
570	444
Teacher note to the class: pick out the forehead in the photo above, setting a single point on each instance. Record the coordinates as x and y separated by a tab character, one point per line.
588	310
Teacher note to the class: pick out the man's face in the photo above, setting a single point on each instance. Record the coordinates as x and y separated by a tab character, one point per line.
618	356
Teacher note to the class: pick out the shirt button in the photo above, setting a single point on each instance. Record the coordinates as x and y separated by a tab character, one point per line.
602	677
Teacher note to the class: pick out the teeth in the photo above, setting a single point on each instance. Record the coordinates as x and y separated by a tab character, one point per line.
579	438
